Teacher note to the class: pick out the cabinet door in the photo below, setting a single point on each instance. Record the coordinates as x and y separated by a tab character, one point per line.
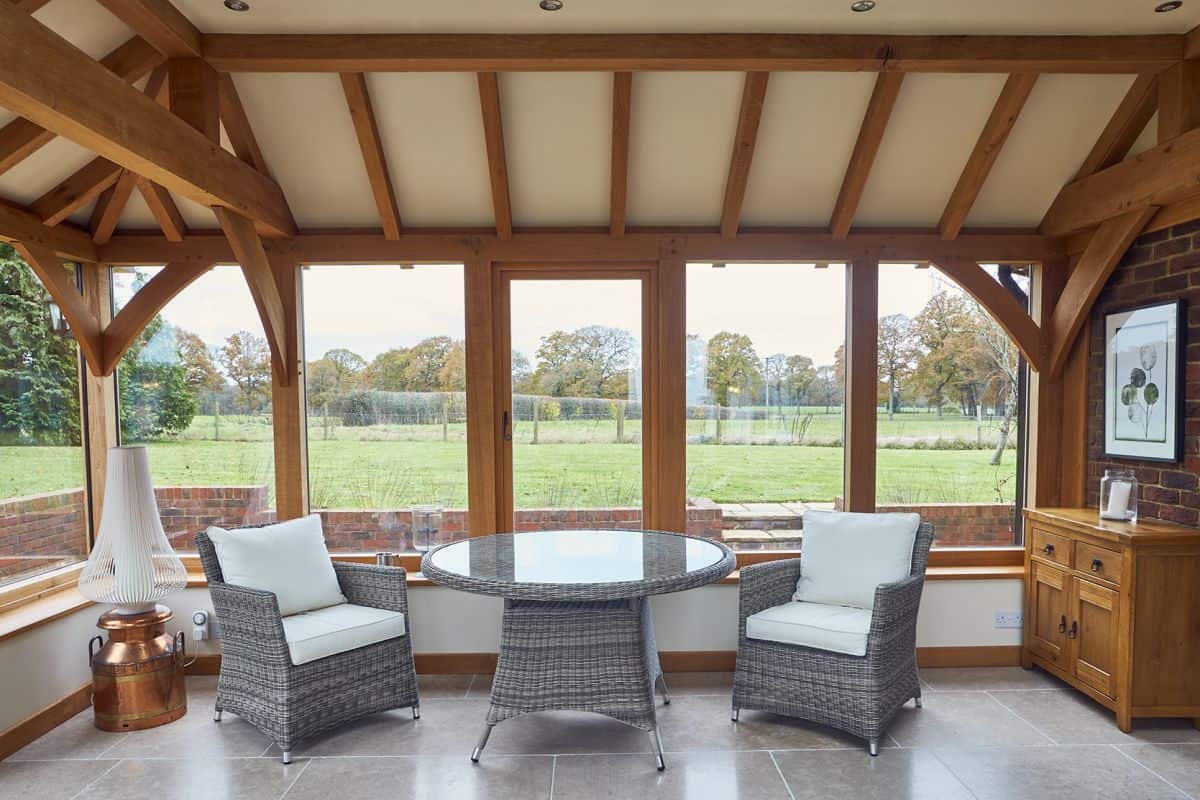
1093	634
1048	612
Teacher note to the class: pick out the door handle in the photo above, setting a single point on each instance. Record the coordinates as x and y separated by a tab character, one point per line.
1096	564
1062	624
506	426
1074	632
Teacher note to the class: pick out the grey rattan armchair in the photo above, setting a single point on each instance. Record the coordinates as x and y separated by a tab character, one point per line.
289	702
857	694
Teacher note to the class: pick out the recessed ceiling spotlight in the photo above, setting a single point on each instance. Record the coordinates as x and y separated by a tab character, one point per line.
237	5
550	5
860	6
1170	5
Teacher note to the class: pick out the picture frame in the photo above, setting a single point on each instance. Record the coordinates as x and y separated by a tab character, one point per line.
1143	382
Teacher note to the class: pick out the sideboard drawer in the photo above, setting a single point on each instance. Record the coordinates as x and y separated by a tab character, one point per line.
1051	546
1103	563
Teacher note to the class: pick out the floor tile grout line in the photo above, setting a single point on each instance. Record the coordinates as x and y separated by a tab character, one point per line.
1152	772
109	749
787	786
94	780
303	769
1012	711
933	752
470	683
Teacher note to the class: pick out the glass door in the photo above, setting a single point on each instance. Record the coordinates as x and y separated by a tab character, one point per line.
572	350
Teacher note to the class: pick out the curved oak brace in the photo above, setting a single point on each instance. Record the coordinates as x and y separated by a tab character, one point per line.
1101	256
250	254
1002	306
144	306
84	325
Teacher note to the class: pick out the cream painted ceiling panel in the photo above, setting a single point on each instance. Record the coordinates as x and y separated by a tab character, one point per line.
85	24
137	215
558	135
1148	137
809	124
196	216
432	136
933	128
304	129
618	16
1062	119
681	140
42	171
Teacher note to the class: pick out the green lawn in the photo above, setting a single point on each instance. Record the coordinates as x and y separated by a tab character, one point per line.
383	473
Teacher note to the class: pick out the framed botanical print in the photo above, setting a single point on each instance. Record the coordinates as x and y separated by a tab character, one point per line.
1143	382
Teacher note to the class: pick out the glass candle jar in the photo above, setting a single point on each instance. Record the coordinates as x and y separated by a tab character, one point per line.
426	522
1118	495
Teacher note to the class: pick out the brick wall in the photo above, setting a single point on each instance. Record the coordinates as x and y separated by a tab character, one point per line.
1160	266
962	524
41	532
185	510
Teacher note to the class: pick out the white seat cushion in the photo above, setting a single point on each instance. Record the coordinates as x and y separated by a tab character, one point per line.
337	629
288	559
838	629
845	556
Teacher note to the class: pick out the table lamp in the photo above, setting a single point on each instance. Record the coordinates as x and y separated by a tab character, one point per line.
137	676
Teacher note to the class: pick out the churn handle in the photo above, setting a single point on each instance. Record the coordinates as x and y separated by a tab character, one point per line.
92	647
180	646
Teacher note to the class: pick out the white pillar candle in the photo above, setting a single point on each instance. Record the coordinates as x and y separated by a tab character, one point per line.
1118	500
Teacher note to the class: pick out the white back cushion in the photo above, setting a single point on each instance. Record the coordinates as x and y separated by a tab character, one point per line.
844	556
288	558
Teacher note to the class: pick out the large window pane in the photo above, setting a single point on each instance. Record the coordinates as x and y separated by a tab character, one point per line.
949	409
386	388
577	403
765	395
195	388
43	517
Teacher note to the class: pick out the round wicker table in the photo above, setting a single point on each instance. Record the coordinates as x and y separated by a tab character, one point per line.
577	633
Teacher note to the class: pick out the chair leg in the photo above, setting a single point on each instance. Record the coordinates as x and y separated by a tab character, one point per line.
416	711
658	751
216	715
487	731
873	747
666	693
734	715
287	756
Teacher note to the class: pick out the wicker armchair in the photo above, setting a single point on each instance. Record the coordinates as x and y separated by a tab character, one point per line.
856	694
289	702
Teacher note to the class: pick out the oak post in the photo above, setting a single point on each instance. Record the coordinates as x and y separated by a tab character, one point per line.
862	382
99	396
669	422
482	501
288	397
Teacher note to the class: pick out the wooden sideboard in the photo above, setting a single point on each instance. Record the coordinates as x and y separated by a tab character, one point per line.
1114	610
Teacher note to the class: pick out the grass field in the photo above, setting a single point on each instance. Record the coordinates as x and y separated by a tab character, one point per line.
355	470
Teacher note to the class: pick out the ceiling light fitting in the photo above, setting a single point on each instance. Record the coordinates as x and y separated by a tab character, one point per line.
237	5
550	5
859	6
1170	5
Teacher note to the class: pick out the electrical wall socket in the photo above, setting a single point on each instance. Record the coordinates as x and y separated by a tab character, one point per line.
1007	619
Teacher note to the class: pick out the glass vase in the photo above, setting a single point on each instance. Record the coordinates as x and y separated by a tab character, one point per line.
1119	495
426	523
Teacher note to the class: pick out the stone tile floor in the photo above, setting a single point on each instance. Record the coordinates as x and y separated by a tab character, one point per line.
983	733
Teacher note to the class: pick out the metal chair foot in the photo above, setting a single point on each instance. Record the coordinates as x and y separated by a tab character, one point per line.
873	747
917	700
217	715
478	751
666	693
734	715
416	711
658	751
287	756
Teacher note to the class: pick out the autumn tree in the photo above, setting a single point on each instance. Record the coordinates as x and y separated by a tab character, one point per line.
592	361
944	332
246	359
156	399
1000	370
774	373
388	371
798	378
896	352
732	366
200	371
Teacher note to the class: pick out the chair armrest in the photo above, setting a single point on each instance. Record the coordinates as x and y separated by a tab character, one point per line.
895	613
251	625
374	586
761	586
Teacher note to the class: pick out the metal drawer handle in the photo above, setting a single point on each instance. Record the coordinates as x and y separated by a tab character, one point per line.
1071	634
1062	625
1096	564
1048	549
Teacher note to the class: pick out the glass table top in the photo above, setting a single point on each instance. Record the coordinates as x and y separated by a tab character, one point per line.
570	557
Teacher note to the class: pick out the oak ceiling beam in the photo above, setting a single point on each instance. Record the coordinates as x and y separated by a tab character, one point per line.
76	191
493	133
248	249
165	211
160	24
194	95
1124	127
85	327
21	138
870	135
145	304
987	149
110	206
688	51
53	84
754	94
1178	100
1091	272
1168	173
69	242
366	128
1000	305
622	109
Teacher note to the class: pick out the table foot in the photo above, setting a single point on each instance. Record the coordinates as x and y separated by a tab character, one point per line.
487	731
658	753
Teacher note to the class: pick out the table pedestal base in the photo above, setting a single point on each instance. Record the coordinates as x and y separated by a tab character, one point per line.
577	656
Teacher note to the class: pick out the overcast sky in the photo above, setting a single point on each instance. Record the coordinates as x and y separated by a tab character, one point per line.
369	309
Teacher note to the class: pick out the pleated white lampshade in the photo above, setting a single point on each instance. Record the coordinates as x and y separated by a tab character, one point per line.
132	564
